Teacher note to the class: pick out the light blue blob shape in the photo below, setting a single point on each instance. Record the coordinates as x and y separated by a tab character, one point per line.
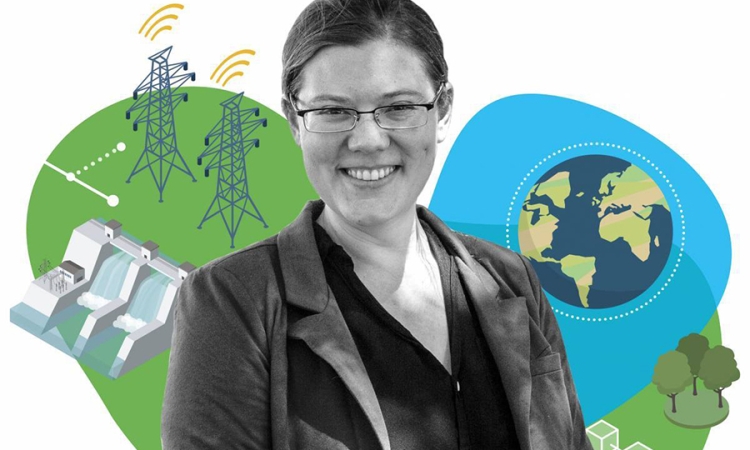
611	360
503	142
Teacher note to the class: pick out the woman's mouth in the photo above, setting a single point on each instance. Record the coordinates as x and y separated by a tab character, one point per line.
371	174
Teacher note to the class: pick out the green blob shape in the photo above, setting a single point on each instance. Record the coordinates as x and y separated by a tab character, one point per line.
276	177
641	419
134	401
277	184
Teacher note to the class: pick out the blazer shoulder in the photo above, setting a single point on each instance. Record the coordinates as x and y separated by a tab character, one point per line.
513	269
501	257
249	277
258	255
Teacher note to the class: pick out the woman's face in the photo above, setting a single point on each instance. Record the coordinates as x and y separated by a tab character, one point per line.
377	73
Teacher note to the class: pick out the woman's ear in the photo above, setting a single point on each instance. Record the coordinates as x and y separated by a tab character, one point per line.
292	118
445	109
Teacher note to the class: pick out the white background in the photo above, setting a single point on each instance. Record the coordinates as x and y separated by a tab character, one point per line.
680	71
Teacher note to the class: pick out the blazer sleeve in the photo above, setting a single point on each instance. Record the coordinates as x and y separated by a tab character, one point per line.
217	391
548	325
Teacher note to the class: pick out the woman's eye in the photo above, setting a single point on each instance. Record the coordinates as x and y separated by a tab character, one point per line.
400	108
332	111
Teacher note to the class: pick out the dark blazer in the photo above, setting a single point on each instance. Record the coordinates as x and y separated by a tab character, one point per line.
262	358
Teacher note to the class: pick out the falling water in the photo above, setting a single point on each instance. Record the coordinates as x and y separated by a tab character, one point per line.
145	304
111	276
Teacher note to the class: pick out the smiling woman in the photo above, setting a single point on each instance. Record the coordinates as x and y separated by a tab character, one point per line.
373	76
367	323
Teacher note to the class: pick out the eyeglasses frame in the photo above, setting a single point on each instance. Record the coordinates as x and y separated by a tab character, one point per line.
429	106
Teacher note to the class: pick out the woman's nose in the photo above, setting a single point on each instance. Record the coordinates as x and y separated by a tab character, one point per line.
367	136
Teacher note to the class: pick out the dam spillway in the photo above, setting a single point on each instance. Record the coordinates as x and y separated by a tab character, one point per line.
109	304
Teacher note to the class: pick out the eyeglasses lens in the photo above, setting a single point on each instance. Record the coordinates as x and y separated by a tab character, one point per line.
401	117
330	120
388	117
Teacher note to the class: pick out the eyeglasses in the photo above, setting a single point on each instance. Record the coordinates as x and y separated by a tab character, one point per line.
393	117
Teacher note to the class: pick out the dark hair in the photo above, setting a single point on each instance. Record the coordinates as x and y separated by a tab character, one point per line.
353	22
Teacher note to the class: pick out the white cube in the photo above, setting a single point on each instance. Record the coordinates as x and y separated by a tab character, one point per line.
604	436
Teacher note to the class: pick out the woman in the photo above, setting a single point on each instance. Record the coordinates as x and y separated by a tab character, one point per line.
367	323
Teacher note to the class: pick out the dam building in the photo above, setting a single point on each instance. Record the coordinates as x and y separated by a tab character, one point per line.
109	304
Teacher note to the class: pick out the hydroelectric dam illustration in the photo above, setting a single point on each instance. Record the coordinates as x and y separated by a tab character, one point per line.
109	304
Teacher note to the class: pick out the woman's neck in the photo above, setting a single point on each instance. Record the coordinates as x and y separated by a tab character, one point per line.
395	264
386	246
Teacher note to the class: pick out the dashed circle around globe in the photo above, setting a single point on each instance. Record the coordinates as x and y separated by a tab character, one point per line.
497	160
597	229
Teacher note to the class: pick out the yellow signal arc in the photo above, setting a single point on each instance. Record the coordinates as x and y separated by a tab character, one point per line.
157	22
163	8
164	28
236	74
234	64
238	52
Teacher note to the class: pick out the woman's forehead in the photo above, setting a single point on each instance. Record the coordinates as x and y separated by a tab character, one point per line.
376	70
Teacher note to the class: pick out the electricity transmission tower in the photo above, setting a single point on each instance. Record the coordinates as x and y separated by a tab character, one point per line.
228	144
156	108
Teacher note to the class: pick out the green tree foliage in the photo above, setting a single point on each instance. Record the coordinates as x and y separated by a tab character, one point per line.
694	346
672	375
719	370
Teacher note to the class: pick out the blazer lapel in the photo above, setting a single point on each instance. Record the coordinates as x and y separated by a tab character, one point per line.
328	337
505	324
325	330
504	320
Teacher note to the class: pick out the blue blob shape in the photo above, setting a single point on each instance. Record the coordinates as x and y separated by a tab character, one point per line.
507	147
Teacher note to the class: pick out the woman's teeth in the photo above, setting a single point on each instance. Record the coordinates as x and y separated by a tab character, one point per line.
371	175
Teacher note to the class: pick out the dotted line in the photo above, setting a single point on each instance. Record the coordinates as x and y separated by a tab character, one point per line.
666	180
119	148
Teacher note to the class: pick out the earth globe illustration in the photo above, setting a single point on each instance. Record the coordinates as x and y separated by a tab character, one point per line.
597	229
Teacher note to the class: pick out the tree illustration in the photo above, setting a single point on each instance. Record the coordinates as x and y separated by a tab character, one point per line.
694	346
719	370
672	375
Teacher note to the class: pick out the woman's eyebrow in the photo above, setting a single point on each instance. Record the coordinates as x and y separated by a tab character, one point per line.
328	98
403	92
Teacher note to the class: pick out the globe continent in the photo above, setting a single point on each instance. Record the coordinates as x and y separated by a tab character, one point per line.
597	229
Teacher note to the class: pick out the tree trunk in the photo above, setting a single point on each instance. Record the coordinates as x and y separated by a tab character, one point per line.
674	403
721	399
695	385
